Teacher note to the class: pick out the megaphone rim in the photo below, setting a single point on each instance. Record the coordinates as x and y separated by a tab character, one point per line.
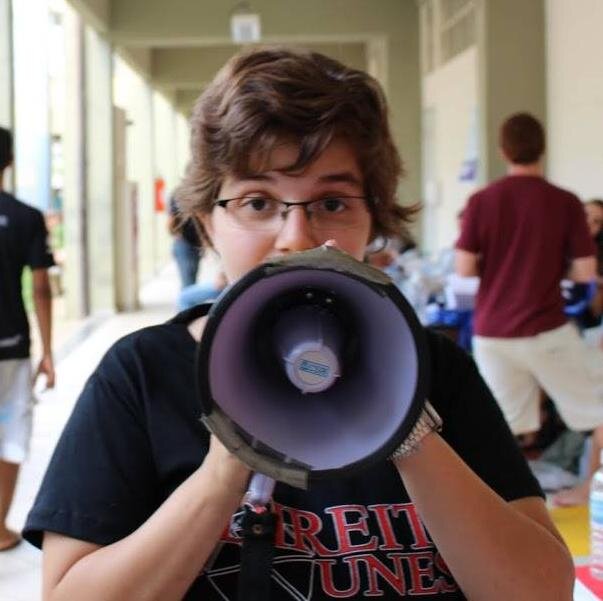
267	270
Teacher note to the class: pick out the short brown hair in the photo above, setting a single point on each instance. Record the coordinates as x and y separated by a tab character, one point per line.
522	139
264	96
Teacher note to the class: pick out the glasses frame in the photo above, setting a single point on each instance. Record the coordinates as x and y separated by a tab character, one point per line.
370	202
304	204
222	202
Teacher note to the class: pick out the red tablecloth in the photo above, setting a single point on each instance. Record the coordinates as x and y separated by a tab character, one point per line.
595	586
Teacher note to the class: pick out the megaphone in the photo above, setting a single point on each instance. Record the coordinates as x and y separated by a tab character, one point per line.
312	365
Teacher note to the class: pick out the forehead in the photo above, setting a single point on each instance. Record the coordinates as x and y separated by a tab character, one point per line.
338	163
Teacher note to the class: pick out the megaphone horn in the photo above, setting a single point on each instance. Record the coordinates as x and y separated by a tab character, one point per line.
312	365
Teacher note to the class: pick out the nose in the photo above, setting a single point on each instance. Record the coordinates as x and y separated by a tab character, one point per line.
296	232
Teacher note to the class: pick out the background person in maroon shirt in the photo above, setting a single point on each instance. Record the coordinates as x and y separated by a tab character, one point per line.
522	236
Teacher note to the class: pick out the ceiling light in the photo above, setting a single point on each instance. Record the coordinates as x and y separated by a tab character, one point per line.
245	25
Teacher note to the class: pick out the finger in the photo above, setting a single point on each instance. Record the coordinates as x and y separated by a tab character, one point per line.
50	380
48	369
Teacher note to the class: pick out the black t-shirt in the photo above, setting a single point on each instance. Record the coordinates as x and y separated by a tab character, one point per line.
135	435
23	241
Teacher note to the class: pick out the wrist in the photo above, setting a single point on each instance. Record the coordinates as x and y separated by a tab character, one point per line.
423	450
226	472
429	422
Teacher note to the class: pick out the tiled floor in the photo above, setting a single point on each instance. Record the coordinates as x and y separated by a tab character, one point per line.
20	568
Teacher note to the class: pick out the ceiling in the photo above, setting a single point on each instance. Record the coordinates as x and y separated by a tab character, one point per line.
179	45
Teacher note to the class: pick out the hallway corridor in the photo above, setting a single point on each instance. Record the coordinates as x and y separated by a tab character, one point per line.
20	574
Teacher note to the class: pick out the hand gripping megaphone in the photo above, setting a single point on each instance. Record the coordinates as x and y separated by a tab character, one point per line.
312	365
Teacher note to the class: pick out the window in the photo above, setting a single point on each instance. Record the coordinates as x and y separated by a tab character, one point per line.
457	27
447	28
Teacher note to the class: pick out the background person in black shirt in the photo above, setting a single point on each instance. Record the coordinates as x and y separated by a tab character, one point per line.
23	242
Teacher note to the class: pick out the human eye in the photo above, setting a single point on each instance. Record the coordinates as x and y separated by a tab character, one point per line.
332	204
257	204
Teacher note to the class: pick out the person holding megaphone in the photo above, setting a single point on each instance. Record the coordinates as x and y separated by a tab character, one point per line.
396	474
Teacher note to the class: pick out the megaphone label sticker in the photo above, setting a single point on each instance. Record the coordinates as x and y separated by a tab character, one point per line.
313	371
316	369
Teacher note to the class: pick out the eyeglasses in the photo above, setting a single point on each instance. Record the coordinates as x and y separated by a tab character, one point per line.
329	213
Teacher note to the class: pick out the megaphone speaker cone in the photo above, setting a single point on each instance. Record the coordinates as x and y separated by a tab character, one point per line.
313	365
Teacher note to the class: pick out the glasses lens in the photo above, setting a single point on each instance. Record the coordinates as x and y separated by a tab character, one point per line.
267	214
255	212
338	213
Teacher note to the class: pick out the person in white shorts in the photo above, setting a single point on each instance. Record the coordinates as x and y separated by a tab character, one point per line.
520	234
557	361
23	242
16	401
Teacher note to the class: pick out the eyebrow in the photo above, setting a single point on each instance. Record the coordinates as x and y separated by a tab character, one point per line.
346	177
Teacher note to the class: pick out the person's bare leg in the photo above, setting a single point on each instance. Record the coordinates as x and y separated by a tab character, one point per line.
8	482
580	493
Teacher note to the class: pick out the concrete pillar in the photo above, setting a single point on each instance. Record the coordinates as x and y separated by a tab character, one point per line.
99	170
404	97
511	70
6	66
6	76
165	142
133	93
575	95
75	269
182	143
125	230
31	106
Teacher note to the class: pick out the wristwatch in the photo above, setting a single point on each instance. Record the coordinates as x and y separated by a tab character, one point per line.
429	421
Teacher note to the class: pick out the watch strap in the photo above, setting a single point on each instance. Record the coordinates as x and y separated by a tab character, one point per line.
429	421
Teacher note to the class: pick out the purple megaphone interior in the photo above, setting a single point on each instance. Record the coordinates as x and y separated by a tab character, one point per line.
350	421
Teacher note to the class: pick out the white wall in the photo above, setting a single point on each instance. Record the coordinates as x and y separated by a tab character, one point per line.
575	95
450	100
